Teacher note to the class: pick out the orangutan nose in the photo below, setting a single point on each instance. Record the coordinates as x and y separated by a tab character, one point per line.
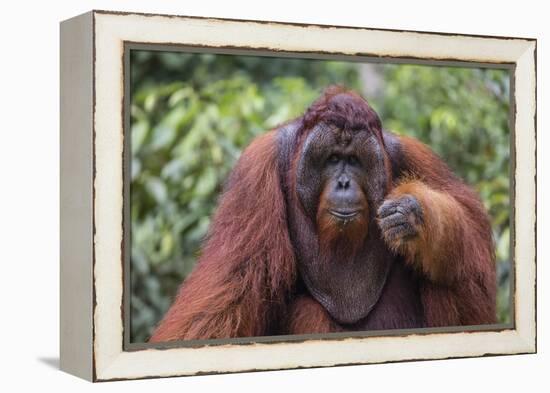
343	181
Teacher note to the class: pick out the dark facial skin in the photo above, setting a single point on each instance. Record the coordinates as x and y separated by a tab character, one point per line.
344	197
347	166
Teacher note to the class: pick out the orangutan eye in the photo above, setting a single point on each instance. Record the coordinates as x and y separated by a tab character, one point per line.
333	159
353	161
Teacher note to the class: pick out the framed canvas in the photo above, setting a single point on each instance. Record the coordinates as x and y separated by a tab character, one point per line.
247	195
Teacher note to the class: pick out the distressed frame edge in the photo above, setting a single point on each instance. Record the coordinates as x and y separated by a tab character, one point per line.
527	340
525	193
304	24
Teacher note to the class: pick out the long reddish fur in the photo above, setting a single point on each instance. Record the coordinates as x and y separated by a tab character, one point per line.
240	285
454	250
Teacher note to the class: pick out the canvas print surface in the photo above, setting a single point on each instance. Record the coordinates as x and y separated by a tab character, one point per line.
276	196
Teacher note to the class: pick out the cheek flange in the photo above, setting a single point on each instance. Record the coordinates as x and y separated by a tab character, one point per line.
309	176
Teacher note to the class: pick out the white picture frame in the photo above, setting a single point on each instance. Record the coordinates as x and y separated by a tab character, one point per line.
93	191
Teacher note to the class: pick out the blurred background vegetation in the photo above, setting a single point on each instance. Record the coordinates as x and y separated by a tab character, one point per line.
192	114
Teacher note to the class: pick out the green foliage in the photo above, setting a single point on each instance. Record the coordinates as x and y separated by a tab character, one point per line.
192	114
